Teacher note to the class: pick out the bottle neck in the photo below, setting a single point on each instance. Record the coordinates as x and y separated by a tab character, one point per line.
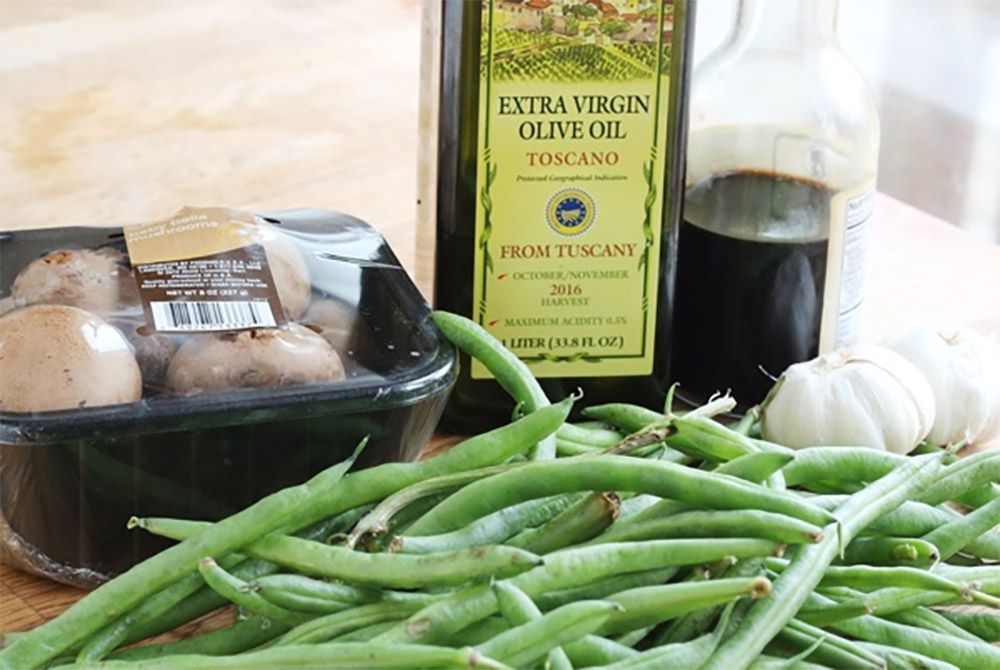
786	25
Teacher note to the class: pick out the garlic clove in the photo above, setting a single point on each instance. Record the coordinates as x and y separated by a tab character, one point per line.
963	369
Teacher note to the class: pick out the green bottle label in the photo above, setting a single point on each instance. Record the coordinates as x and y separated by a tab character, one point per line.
573	120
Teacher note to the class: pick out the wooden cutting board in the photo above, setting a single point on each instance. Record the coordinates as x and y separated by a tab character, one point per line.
117	112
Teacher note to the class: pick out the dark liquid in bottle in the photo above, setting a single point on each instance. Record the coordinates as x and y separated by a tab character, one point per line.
750	275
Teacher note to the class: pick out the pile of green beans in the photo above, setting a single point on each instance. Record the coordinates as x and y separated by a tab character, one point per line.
634	539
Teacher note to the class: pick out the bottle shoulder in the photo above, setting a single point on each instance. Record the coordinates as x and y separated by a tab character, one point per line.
822	88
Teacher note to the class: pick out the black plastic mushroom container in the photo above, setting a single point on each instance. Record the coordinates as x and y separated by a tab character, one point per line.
70	479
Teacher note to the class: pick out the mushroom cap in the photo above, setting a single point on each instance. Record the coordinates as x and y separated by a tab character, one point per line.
252	358
153	351
334	320
57	357
97	280
288	269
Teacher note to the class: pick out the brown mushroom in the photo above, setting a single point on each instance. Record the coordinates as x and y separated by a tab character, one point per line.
252	358
55	357
97	280
288	269
334	320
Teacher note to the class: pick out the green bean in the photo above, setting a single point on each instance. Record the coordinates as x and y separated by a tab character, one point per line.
568	448
326	656
915	519
305	594
611	473
983	573
705	438
765	662
575	525
376	522
828	649
696	624
241	636
189	598
961	653
650	605
567	569
680	655
756	467
479	632
902	659
977	496
824	615
155	616
591	650
593	424
630	506
967	474
366	633
327	494
797	662
238	592
891	551
589	436
490	529
833	641
768	616
605	587
325	628
117	632
858	464
518	609
629	418
658	510
510	371
911	519
984	625
864	577
633	637
922	617
729	523
951	537
383	570
893	599
745	426
527	643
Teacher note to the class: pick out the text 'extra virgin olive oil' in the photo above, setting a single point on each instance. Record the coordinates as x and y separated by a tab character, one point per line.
551	177
728	273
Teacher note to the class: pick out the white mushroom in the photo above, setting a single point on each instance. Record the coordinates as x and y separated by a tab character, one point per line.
289	270
57	357
97	280
252	358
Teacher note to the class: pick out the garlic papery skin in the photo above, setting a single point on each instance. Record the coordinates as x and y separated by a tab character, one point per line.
864	396
963	369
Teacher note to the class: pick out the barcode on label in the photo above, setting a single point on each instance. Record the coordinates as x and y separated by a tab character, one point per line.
205	316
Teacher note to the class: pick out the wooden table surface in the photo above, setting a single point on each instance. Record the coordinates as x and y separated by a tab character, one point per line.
119	111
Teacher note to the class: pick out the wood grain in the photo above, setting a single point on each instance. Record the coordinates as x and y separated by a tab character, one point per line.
121	111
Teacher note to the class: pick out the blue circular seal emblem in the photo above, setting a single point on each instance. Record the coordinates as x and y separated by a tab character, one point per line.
571	211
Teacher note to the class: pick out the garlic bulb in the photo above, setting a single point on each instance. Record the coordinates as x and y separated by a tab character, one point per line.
865	396
963	368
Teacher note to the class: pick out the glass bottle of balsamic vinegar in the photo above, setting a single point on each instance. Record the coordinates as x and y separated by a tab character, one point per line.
551	177
782	158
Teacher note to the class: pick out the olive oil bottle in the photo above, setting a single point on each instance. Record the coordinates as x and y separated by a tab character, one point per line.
551	182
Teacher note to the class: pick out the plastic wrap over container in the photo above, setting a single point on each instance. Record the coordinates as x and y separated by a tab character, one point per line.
104	416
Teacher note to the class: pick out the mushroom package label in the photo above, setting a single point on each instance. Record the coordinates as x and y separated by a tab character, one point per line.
206	269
